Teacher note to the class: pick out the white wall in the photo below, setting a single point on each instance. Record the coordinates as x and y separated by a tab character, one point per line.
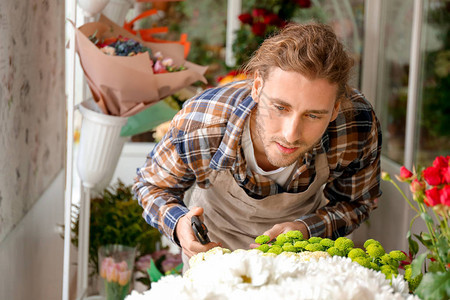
31	255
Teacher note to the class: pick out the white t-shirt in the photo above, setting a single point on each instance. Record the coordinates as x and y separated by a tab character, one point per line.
281	176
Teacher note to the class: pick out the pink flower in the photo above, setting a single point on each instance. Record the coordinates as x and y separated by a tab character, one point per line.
122	266
108	261
405	174
432	175
144	262
417	186
124	277
111	273
445	195
158	67
432	197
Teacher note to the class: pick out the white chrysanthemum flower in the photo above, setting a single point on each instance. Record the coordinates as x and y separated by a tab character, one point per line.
254	275
196	259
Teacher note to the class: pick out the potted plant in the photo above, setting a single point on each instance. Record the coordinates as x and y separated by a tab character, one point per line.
116	218
429	272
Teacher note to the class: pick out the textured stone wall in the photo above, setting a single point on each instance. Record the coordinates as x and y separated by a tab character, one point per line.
32	104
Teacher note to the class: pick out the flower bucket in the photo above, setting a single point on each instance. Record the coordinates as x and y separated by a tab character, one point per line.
92	7
116	263
117	10
100	145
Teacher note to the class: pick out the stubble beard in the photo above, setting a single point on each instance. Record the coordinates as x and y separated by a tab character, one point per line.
283	160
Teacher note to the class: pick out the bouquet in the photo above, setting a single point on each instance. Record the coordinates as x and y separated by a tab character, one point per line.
430	189
117	278
123	46
125	74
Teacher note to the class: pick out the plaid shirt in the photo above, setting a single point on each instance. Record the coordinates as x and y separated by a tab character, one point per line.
206	135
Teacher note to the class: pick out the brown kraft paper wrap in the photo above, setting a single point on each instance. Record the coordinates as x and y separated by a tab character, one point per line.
125	85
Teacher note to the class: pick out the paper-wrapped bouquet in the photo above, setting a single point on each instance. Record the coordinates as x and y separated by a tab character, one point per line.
125	85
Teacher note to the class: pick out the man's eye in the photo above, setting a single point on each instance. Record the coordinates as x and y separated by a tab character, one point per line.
313	117
280	108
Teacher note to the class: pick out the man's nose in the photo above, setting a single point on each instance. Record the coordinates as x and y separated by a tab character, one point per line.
292	129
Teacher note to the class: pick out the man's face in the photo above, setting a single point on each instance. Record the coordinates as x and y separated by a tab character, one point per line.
292	114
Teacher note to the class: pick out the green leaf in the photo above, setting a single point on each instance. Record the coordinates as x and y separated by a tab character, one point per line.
153	272
434	266
417	264
148	119
413	245
426	217
434	286
425	241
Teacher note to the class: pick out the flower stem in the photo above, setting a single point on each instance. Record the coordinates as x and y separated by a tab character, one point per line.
433	237
404	196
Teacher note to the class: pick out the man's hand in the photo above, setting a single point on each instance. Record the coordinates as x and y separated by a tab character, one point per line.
188	241
278	229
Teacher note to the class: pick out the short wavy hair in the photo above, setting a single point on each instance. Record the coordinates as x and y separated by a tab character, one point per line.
312	50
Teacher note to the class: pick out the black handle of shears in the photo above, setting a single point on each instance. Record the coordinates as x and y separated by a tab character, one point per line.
200	230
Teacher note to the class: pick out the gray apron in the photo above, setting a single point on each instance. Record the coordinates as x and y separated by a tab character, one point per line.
235	219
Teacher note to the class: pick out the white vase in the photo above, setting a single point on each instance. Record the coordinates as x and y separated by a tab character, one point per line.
92	7
100	144
117	10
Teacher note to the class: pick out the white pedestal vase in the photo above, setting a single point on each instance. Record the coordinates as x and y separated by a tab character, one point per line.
92	7
100	145
117	10
99	150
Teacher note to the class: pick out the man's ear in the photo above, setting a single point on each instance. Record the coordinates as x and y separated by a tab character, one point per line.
337	105
257	86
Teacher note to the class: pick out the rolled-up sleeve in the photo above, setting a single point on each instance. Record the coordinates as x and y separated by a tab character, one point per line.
353	194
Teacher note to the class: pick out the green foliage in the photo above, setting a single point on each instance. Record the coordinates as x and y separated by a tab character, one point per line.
116	218
434	286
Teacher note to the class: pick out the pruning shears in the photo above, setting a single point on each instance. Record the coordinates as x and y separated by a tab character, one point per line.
200	230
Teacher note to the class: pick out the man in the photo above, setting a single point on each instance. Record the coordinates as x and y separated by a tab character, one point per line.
293	149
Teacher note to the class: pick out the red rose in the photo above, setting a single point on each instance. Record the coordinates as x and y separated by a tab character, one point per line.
432	197
246	18
432	175
259	29
304	3
405	174
445	195
259	12
417	186
440	162
446	174
272	19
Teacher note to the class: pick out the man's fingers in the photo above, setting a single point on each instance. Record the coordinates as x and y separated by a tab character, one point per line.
253	246
196	247
274	232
